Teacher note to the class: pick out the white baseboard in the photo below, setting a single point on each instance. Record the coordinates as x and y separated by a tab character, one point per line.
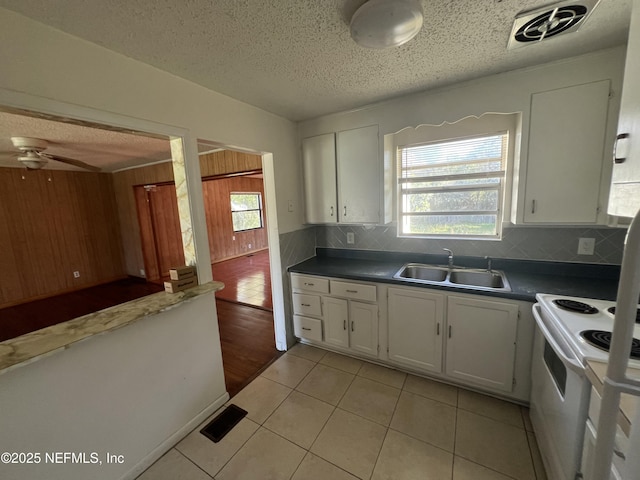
170	442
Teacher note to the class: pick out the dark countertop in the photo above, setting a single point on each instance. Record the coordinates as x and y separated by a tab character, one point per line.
526	277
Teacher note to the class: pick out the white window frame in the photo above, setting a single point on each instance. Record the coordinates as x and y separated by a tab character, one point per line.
259	210
485	125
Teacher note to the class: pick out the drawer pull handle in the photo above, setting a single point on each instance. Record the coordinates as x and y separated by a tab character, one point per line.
309	284
533	206
352	291
438	329
345	210
352	327
332	210
619	454
307	329
449	331
344	324
306	304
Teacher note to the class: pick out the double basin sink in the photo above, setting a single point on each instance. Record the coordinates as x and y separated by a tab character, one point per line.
491	280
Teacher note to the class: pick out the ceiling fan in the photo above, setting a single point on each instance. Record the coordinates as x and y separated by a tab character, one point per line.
32	154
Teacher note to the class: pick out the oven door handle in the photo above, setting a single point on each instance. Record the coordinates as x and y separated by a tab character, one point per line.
564	354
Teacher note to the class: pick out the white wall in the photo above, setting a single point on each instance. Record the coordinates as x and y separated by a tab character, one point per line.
128	392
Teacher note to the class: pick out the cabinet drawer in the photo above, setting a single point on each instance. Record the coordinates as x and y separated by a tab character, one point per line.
304	304
305	327
357	291
309	283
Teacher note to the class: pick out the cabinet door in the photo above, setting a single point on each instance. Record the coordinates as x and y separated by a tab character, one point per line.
336	321
358	175
624	198
481	342
566	152
363	326
319	164
416	326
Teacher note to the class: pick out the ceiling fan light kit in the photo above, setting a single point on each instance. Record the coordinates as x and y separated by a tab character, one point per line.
33	157
386	23
32	160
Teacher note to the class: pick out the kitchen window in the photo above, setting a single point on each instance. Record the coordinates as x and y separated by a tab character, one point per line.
246	211
453	186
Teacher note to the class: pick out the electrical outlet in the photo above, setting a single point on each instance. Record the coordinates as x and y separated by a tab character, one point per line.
586	246
142	274
290	206
250	245
351	238
76	274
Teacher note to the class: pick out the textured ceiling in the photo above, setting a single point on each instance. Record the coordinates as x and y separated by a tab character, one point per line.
295	58
105	149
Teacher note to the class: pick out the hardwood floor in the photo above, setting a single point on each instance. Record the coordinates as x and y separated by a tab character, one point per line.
247	280
31	316
248	342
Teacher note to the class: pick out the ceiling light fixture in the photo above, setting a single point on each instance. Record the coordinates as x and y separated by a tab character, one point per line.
386	23
32	160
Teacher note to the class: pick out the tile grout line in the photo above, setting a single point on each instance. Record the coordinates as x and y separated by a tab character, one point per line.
191	461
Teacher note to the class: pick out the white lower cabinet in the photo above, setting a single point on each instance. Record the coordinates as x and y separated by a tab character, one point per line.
363	327
464	339
416	323
351	324
481	342
478	336
345	317
336	318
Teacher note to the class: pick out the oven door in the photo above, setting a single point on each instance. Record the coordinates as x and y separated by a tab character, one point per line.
559	400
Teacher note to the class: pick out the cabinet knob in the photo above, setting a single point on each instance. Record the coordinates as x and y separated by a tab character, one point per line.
616	159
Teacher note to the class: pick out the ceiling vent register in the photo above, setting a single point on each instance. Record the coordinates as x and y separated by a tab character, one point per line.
549	21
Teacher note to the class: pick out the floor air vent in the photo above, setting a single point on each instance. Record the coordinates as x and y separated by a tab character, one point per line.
549	21
217	428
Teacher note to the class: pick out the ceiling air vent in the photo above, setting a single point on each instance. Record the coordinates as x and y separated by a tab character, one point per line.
549	21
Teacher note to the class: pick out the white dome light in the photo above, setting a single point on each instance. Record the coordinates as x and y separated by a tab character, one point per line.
386	23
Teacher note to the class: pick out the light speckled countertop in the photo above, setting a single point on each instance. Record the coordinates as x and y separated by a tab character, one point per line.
34	346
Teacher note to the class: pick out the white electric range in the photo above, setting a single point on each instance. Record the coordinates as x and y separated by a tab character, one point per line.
568	330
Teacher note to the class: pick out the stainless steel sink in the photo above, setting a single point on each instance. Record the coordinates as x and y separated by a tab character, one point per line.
491	280
417	271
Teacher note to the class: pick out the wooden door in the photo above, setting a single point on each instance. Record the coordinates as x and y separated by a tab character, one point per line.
159	229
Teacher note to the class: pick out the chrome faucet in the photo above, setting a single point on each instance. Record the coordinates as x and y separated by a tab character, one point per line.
488	259
450	256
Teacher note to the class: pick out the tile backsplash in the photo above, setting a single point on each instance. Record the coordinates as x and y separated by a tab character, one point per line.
526	243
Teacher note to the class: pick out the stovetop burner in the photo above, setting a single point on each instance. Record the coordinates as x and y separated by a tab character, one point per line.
602	339
573	306
612	310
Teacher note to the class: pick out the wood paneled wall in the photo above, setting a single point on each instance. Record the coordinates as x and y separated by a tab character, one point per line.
211	164
53	223
223	242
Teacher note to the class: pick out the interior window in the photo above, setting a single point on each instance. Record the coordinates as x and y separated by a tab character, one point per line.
246	211
453	186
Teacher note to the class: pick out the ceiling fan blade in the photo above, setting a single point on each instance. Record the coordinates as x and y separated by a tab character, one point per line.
70	161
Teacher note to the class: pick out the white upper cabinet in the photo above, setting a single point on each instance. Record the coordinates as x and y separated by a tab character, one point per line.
358	175
319	163
624	197
342	177
566	154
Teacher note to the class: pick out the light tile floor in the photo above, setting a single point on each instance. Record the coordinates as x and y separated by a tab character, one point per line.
316	415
